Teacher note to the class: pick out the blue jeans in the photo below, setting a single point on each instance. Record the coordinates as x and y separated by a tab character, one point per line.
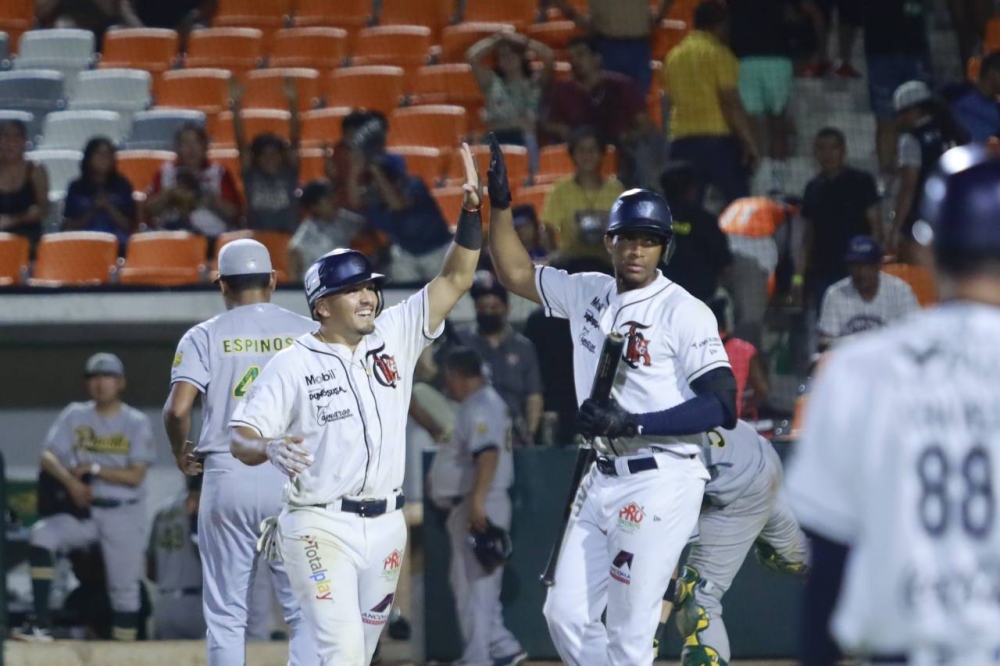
719	161
629	57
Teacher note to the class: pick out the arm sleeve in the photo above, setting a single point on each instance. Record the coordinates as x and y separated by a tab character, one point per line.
404	327
909	151
269	407
191	361
142	451
697	343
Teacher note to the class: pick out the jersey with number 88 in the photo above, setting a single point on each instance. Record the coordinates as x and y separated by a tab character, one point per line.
224	355
899	461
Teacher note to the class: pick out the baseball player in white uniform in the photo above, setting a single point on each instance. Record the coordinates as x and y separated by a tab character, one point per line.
220	359
639	504
743	508
330	413
894	475
471	476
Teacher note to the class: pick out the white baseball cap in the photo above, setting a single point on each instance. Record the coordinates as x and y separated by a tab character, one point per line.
910	94
244	257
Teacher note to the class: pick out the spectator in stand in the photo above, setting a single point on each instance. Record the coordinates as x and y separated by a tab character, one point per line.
180	15
752	383
192	192
270	167
702	254
101	198
93	15
978	109
325	227
24	186
926	130
529	230
624	30
338	162
849	20
867	300
896	51
839	203
576	211
513	93
708	124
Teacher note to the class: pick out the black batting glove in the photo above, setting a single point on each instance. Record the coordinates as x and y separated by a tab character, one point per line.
607	420
498	185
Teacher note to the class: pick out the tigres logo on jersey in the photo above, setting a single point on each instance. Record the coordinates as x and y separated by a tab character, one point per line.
87	440
384	367
637	348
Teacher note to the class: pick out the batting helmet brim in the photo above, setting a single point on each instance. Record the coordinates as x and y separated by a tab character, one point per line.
377	279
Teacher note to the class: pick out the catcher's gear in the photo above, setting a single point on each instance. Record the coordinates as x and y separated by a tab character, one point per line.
770	558
605	420
497	182
692	619
491	547
53	498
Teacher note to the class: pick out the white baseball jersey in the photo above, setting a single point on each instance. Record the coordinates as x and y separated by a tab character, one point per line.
223	356
350	408
845	313
898	460
672	339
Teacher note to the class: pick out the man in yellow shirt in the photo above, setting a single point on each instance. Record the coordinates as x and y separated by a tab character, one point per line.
708	125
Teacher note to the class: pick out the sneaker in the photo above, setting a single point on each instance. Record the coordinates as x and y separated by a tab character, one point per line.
511	660
847	71
31	633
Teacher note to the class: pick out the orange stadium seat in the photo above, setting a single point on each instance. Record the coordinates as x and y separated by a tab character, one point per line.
141	166
920	280
407	46
519	13
456	39
151	49
682	10
336	13
378	87
229	158
319	48
14	251
164	258
554	34
201	89
312	164
75	257
447	84
236	49
276	243
668	35
16	18
322	126
435	125
435	14
534	196
428	163
516	157
255	122
449	200
264	88
992	41
261	14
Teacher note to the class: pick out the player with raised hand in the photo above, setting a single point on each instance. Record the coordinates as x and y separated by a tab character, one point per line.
639	504
330	413
895	473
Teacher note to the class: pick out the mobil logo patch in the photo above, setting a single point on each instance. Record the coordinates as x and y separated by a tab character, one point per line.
630	517
621	567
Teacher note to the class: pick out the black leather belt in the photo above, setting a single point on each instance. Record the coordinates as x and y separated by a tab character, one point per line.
111	503
370	508
607	467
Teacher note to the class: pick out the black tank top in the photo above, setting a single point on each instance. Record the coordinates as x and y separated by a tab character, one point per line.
19	201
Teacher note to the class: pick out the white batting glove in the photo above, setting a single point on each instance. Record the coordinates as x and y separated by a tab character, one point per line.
288	455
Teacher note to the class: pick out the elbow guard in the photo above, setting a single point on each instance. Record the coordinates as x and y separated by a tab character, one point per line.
722	384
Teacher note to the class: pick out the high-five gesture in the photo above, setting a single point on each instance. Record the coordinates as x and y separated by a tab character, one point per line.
499	185
473	190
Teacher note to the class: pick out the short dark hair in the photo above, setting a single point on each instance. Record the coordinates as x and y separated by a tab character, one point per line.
194	127
579	134
832	133
263	141
678	179
584	40
353	120
710	14
17	124
465	361
989	62
249	282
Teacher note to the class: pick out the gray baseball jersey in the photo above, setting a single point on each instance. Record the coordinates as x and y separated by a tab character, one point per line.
224	355
483	423
172	549
734	458
81	436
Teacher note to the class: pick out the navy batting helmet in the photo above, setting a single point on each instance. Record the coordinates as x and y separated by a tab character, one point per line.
961	202
492	547
336	271
643	210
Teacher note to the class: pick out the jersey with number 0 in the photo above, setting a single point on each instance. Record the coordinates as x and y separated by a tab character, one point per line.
734	458
483	423
224	355
350	408
81	436
171	548
899	460
672	339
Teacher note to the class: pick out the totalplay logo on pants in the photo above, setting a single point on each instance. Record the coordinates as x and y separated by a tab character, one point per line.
319	575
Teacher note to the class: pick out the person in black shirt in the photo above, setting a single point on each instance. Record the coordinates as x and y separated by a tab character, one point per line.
839	203
702	249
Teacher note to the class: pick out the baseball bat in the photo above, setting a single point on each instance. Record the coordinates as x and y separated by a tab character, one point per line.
600	390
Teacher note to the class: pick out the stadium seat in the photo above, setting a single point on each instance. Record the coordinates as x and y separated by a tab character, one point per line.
151	49
322	126
126	91
37	91
276	243
63	167
447	84
255	122
229	158
534	196
920	280
155	130
456	39
519	13
268	16
428	163
554	34
340	14
236	49
449	200
435	14
436	126
198	89
312	164
518	169
75	257
66	50
407	46
141	166
14	252
318	48
16	18
264	88
378	88
71	130
164	258
668	35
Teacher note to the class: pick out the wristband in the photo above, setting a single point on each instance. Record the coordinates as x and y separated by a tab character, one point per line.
469	232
